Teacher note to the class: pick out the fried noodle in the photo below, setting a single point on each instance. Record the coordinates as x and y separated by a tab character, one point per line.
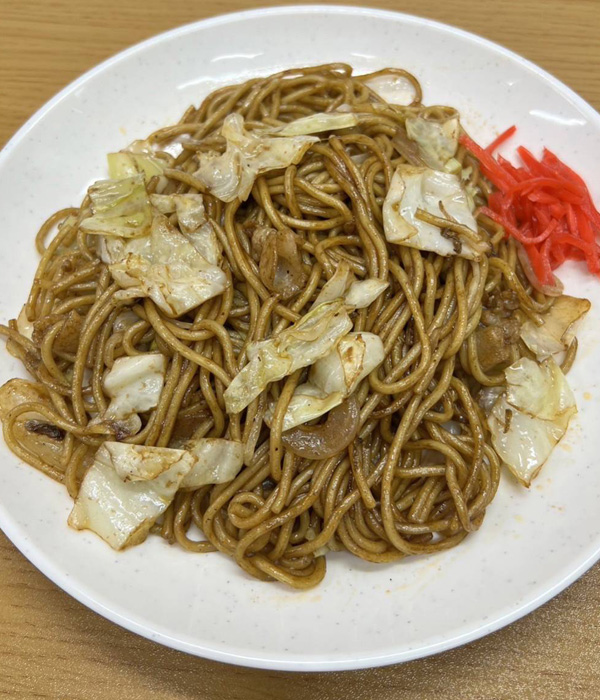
418	470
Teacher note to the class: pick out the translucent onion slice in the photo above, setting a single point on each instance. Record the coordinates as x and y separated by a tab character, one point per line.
329	438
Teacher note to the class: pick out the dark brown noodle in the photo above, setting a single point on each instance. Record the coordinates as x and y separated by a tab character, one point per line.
421	472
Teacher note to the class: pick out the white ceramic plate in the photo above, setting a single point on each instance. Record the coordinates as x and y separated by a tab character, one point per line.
532	543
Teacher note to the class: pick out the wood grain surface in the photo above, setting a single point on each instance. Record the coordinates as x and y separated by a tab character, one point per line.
53	647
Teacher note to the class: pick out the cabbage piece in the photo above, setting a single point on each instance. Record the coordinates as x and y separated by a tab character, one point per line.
190	212
166	267
437	141
337	286
205	242
165	203
232	174
334	377
113	249
125	164
189	209
307	403
527	442
126	489
144	147
357	294
353	358
216	461
298	346
415	188
531	416
316	123
138	158
362	293
120	208
541	390
555	334
541	343
141	463
192	221
134	384
395	89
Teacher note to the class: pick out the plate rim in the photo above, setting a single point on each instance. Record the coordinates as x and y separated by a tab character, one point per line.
45	564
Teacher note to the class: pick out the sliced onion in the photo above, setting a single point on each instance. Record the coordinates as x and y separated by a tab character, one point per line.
280	264
407	148
327	439
551	291
67	338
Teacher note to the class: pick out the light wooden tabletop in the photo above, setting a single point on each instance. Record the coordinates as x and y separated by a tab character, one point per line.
53	647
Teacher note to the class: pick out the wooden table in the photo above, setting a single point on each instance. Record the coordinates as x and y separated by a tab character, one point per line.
53	647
